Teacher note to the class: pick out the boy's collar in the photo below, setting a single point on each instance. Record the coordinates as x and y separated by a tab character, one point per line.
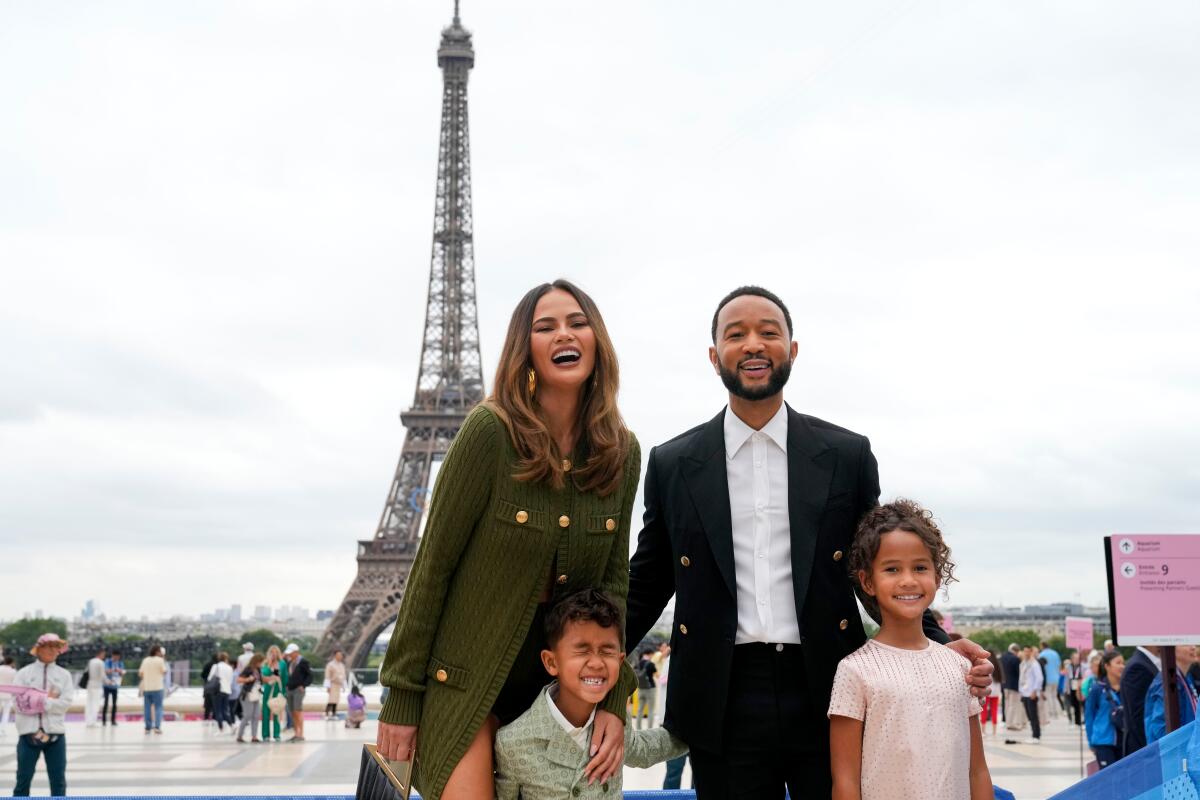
561	749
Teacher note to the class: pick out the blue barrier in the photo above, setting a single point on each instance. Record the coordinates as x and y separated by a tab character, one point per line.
1169	769
642	794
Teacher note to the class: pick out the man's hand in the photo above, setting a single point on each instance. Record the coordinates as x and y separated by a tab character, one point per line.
396	742
608	748
979	678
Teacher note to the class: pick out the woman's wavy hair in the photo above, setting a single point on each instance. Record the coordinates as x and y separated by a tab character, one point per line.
898	515
603	435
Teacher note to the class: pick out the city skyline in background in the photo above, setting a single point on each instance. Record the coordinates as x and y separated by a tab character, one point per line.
219	221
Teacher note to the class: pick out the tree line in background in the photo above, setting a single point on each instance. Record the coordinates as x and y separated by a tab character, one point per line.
17	638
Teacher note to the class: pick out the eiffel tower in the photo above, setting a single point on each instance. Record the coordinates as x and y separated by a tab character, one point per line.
449	384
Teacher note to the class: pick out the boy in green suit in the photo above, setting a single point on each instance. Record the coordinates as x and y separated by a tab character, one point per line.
543	753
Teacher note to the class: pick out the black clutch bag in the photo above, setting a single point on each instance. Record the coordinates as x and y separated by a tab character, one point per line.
381	779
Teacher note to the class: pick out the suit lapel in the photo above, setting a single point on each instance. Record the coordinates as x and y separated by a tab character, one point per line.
704	472
810	470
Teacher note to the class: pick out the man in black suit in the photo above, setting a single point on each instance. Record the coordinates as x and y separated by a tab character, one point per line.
1010	675
748	519
1139	673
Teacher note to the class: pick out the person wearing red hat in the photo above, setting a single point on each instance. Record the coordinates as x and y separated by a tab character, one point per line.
40	722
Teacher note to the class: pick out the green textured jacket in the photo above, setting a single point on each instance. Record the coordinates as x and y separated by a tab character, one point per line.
537	760
474	587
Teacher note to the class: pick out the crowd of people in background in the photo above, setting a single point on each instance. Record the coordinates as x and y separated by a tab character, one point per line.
1119	704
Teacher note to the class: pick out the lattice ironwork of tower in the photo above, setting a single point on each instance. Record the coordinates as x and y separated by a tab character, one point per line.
449	383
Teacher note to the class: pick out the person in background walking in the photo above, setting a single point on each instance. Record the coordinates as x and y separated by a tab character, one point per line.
1050	671
95	688
335	681
250	679
1155	716
274	673
647	689
43	735
8	674
1014	711
222	675
1139	673
209	687
244	659
1074	689
153	673
1091	674
298	681
1030	683
991	703
1103	715
114	673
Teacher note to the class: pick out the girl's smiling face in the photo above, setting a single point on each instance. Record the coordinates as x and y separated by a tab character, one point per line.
903	578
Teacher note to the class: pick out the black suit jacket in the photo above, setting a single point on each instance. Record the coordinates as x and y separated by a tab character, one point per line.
1135	682
686	549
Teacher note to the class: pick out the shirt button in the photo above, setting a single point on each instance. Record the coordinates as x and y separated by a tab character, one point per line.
562	579
778	648
683	629
564	521
687	562
762	602
760	555
837	555
844	624
522	517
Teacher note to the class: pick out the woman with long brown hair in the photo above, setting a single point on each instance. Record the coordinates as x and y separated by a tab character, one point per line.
532	503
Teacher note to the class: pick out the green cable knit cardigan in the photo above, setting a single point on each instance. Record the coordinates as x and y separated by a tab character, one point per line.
475	583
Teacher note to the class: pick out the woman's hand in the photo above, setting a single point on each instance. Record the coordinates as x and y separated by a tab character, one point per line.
608	747
979	678
396	742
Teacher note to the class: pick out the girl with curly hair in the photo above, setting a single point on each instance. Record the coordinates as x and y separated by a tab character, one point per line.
902	721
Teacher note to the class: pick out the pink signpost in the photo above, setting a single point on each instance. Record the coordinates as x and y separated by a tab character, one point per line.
1080	634
1154	588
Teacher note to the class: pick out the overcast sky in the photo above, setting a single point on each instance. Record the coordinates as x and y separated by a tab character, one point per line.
215	230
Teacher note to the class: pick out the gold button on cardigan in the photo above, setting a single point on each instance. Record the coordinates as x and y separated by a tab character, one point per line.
475	583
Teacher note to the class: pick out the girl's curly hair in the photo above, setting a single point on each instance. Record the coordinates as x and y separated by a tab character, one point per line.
898	515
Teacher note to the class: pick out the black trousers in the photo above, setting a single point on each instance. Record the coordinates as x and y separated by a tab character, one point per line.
1031	711
775	736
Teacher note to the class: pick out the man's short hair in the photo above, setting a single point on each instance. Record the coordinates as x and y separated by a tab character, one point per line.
1012	648
588	605
757	292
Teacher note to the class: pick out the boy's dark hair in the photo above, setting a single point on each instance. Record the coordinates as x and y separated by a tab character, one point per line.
757	291
114	653
898	515
588	605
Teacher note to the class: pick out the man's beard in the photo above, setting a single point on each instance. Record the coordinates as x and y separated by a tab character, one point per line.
779	378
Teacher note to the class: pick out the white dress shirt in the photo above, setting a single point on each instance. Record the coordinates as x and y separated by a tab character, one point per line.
1155	660
757	465
581	736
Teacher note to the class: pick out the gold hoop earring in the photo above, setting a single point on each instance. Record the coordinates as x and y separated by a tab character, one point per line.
532	381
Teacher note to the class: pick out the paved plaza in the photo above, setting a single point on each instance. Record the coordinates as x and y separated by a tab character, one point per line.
191	757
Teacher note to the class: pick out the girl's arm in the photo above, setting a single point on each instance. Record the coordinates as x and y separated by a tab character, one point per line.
981	778
845	748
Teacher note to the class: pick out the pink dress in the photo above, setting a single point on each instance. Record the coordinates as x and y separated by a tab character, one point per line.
916	711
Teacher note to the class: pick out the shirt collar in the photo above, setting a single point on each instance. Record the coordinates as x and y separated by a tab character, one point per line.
563	722
1155	660
737	433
